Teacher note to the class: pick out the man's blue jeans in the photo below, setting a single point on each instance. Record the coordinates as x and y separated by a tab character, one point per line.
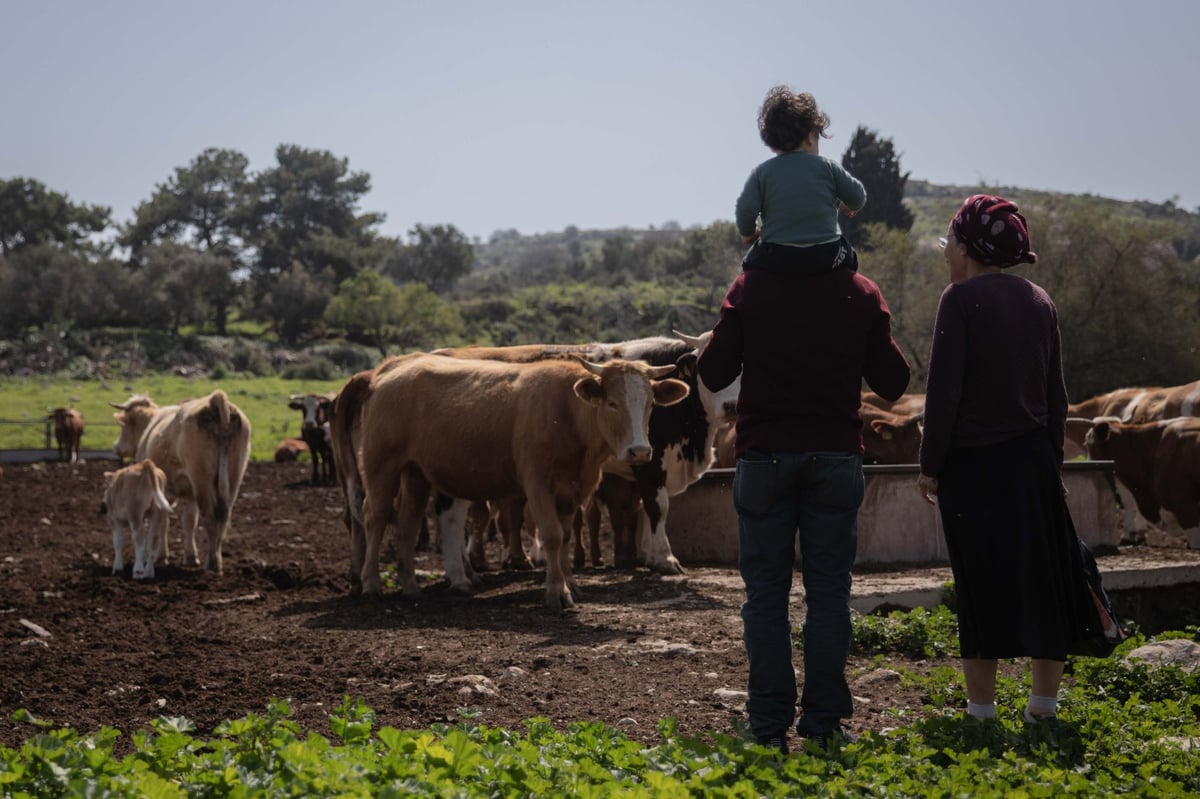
817	494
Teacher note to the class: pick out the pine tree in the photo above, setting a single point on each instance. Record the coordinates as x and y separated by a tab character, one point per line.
873	160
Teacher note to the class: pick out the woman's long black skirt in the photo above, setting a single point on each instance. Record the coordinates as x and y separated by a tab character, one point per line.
1013	550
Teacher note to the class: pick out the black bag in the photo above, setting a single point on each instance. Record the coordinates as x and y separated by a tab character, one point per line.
1105	631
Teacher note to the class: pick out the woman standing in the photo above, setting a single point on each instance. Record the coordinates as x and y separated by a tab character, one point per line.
991	452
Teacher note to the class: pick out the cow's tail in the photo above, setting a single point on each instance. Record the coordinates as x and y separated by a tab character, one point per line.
156	491
228	423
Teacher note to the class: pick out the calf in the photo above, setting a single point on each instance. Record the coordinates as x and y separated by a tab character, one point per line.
134	501
290	450
203	445
314	429
483	430
68	430
1159	462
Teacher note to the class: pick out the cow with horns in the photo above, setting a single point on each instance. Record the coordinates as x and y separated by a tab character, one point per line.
481	430
314	431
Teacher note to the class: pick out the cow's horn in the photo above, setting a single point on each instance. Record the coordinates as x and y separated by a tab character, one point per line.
117	405
657	372
594	368
294	397
692	341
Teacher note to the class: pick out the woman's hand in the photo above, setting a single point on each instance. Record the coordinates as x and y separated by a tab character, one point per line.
928	486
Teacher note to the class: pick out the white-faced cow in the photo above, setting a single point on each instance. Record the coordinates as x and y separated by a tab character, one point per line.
68	430
136	503
682	434
1159	462
481	430
314	429
203	445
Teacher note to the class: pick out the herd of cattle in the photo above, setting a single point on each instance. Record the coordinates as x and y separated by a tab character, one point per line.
545	437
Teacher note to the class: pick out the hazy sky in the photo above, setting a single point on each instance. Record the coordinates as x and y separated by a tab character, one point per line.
539	115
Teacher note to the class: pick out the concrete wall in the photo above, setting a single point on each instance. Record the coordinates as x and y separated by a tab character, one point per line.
895	524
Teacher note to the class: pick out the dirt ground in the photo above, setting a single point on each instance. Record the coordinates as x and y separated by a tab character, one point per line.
280	623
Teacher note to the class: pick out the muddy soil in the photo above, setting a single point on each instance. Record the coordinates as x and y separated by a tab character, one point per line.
280	623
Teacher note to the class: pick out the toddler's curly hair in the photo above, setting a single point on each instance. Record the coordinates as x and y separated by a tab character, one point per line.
786	119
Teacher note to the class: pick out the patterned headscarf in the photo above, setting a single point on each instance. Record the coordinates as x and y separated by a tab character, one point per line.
992	231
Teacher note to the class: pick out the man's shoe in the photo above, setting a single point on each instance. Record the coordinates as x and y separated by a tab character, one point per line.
826	737
776	741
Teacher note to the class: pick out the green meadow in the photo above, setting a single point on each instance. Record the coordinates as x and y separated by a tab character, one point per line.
27	400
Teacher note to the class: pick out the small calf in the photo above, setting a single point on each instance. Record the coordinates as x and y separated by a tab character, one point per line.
68	430
134	501
290	450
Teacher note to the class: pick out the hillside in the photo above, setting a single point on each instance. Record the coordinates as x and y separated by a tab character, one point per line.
611	285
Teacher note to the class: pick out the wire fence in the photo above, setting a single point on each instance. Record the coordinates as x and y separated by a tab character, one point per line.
39	434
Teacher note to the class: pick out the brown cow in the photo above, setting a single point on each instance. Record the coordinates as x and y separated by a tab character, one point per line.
289	450
1145	404
1159	462
682	434
68	430
134	501
203	445
482	430
888	437
907	405
725	447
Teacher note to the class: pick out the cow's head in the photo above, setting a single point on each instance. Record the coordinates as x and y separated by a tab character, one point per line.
1099	433
721	406
316	409
624	393
134	416
889	437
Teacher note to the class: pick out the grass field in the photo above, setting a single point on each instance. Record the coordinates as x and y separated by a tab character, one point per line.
25	402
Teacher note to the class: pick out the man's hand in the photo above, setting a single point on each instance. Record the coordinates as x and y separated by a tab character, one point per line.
928	486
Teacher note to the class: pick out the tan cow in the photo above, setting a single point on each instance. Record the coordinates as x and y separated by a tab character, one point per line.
345	436
482	430
1159	462
68	430
135	502
203	445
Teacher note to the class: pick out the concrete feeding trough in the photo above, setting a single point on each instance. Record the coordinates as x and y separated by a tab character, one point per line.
895	524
